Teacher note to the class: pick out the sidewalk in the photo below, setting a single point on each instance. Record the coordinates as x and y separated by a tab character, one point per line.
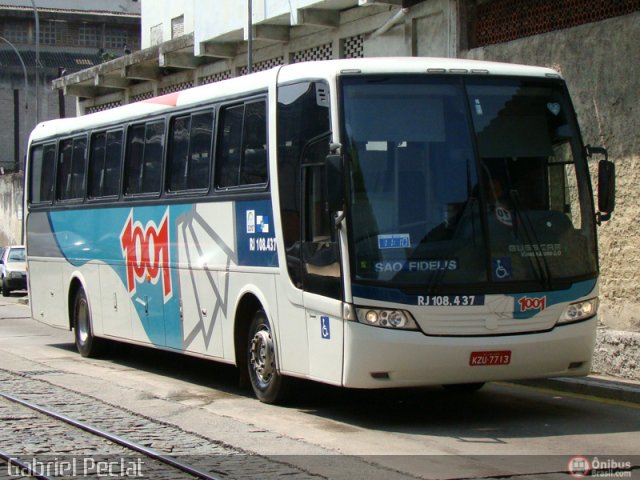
594	385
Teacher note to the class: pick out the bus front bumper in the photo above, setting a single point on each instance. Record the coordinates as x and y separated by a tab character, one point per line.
384	358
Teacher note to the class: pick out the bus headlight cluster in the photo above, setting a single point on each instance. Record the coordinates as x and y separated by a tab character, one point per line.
579	311
398	319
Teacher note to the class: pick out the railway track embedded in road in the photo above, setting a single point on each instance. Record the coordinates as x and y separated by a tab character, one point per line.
48	424
24	466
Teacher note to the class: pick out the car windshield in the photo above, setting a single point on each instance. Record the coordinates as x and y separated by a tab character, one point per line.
466	181
16	255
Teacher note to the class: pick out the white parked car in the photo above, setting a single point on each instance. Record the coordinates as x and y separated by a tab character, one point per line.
13	269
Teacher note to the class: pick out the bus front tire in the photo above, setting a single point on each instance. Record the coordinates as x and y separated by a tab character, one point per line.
87	345
267	383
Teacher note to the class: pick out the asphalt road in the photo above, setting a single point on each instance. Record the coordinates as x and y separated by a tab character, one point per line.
504	429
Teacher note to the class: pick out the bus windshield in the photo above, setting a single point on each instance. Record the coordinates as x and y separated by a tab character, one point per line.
466	181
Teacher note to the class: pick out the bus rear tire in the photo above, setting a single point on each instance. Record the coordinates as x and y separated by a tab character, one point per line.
268	385
87	345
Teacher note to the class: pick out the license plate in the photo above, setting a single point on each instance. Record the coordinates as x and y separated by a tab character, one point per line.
487	359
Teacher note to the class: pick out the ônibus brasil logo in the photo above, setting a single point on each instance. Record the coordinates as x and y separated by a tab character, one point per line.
146	253
579	467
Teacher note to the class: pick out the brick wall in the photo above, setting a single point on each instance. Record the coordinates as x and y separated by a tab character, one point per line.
499	21
600	63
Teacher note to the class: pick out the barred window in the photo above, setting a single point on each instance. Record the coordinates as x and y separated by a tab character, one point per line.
115	38
16	32
88	36
48	33
177	26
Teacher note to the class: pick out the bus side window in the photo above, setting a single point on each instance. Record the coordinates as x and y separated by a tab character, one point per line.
189	162
303	143
78	167
71	165
320	249
178	156
96	164
105	159
112	163
242	154
43	160
228	161
253	169
144	157
153	158
133	160
200	142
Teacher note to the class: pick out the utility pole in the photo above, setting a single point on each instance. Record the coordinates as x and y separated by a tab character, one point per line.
250	37
37	40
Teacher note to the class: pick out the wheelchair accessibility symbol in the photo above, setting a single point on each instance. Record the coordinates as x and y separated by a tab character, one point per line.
502	269
325	328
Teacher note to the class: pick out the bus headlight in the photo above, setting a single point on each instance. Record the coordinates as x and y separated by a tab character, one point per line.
397	319
579	311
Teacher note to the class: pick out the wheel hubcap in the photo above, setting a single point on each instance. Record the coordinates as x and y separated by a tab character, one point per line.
82	321
262	356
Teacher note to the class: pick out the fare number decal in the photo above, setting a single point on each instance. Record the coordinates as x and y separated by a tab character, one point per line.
262	244
450	300
146	252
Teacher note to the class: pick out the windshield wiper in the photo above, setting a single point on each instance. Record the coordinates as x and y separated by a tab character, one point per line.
531	237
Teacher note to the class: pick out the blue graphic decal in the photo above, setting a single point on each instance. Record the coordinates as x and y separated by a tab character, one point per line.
139	244
256	239
527	305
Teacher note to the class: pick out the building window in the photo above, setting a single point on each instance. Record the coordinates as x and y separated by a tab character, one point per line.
16	32
353	47
115	38
87	36
48	33
321	52
177	26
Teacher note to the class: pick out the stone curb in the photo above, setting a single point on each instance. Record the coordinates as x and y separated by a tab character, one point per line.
595	386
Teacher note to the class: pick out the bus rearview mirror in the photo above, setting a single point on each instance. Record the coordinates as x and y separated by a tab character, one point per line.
606	188
334	177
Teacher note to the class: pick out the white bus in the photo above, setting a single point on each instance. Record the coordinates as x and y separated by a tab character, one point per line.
366	223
